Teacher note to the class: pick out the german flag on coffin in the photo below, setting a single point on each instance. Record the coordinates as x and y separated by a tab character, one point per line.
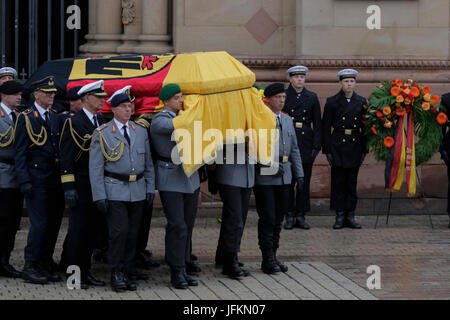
218	91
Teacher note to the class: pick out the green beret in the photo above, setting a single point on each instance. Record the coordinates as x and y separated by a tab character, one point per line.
169	91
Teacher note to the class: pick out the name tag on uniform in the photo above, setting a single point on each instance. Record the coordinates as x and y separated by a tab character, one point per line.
299	125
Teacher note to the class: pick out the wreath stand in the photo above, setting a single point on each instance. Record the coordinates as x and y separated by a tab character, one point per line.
389	207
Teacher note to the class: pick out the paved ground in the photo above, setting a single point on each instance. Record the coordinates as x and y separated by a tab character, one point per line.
323	264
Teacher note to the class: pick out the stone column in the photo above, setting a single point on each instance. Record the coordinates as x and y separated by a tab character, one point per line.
132	21
155	35
92	27
108	33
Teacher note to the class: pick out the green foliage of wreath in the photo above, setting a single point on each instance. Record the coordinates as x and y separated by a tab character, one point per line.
428	132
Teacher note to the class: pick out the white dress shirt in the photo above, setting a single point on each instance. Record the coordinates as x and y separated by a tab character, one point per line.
7	111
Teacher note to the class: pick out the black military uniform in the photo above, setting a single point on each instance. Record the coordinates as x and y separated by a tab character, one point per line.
84	219
445	147
304	109
345	148
37	167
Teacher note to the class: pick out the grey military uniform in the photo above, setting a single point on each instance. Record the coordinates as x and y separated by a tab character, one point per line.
170	177
236	174
135	160
289	157
8	179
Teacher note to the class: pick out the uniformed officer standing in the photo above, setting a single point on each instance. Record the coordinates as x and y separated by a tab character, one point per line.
7	74
272	191
38	174
84	218
445	146
74	100
122	179
179	194
10	196
345	147
303	107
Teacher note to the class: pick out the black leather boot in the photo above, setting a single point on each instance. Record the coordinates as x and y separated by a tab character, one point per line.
178	280
269	265
91	280
131	286
350	221
339	220
231	267
49	269
32	274
191	282
290	221
282	266
7	270
300	222
118	280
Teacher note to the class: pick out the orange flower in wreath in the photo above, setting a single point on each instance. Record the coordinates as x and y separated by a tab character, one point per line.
389	142
374	130
387	110
399	99
435	99
427	97
426	90
400	112
441	118
379	114
395	91
388	124
398	82
415	92
425	106
407	101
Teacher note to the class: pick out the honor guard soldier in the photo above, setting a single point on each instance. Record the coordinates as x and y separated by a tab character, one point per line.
10	195
84	217
272	191
37	167
345	147
303	107
445	147
179	194
7	74
74	100
122	179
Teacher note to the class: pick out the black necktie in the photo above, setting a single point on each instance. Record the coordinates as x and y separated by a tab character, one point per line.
95	121
14	117
47	119
125	134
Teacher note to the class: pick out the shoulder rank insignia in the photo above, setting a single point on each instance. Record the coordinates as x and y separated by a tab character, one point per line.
114	129
103	127
2	113
36	114
132	127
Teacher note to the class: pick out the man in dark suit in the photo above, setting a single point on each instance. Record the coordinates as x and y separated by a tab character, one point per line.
84	218
303	107
345	147
445	147
38	174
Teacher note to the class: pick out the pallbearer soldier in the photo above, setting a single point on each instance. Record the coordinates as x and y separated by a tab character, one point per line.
345	147
10	195
84	218
38	172
179	194
7	74
303	107
272	191
122	179
445	147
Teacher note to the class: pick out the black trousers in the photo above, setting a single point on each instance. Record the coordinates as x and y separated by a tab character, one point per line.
45	209
144	230
272	204
234	216
123	220
84	222
343	189
300	202
10	216
180	210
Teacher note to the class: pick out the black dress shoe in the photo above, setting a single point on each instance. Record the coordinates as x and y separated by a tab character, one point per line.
90	280
340	219
7	270
135	275
192	268
48	271
290	222
233	271
131	286
350	221
191	282
270	267
118	281
32	274
178	280
300	223
283	267
194	257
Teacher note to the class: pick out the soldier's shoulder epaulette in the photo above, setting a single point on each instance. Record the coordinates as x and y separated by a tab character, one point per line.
67	113
27	112
143	123
101	128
